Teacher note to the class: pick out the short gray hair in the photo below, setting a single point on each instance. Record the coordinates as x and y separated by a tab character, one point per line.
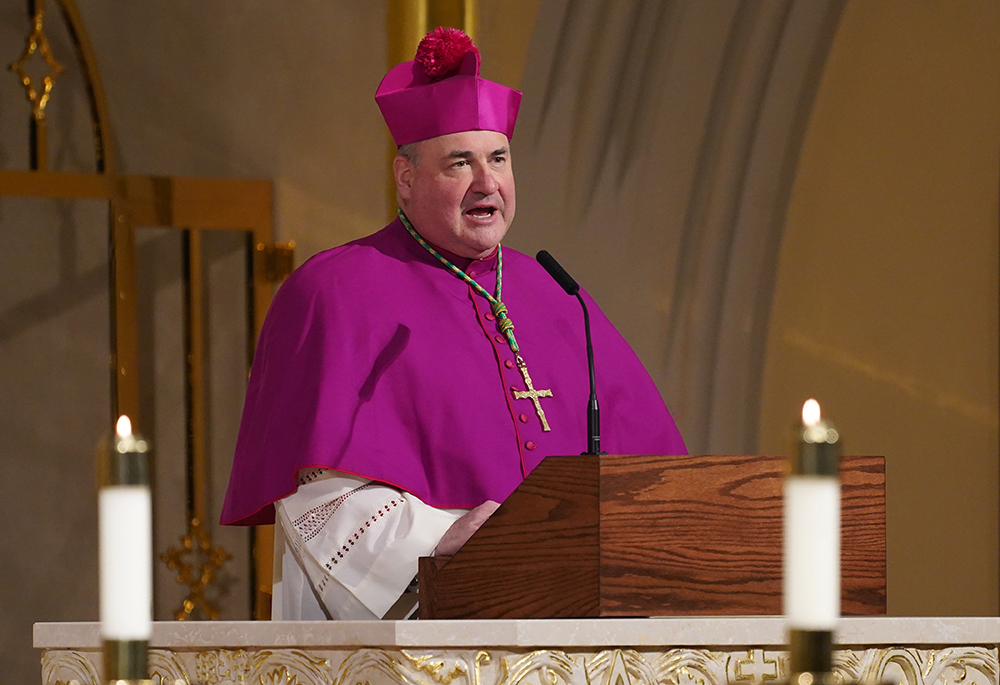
409	152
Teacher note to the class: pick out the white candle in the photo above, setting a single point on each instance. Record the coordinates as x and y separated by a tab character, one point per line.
812	528
125	541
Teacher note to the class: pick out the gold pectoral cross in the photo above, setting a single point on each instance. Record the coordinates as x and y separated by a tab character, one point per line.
532	394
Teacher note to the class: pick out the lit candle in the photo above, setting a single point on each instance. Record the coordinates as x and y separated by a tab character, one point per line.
125	553
812	527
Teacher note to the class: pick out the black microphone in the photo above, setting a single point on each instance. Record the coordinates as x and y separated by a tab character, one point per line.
571	287
555	270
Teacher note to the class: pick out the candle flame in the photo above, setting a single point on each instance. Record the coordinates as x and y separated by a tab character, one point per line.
123	427
810	413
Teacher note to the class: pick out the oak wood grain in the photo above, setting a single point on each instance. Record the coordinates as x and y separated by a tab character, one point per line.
536	556
651	536
702	535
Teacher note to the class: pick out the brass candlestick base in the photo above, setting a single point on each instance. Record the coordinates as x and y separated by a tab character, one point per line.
810	652
828	678
811	660
810	655
811	678
125	661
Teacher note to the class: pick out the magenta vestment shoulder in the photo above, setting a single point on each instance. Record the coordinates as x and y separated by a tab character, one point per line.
377	361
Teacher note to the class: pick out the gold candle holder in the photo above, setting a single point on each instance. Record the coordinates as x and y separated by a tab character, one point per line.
126	661
810	656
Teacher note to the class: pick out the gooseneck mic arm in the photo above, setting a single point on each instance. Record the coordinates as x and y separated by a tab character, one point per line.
573	288
593	410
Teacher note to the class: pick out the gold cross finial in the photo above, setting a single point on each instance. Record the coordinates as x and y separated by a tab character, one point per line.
197	573
38	42
532	394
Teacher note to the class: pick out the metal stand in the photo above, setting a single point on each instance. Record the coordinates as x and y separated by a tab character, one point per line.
125	662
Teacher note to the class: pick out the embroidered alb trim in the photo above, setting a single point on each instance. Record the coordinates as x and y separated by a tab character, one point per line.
376	516
309	524
311	475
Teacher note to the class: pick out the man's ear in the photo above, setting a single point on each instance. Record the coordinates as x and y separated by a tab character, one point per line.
402	170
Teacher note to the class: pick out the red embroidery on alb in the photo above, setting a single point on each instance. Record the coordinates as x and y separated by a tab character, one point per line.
311	523
356	537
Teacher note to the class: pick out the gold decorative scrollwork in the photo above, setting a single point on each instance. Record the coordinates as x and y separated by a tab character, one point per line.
756	668
691	667
278	676
299	667
626	665
968	665
909	666
433	666
223	666
240	667
483	658
197	543
551	667
847	667
362	661
167	668
74	664
617	674
37	42
901	665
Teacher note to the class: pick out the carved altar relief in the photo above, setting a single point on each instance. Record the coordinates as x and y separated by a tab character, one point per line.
504	666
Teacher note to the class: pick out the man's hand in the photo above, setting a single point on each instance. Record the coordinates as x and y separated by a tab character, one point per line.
462	529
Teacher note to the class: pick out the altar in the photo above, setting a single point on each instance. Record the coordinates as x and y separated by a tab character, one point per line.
671	650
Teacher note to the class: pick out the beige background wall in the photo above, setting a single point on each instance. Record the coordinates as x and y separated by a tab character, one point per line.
886	302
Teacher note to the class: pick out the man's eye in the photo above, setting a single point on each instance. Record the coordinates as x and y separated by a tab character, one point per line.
499	160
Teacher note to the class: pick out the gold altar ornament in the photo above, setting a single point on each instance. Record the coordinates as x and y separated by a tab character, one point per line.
436	667
969	665
37	42
197	574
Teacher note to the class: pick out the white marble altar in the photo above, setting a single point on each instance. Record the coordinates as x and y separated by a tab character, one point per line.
674	651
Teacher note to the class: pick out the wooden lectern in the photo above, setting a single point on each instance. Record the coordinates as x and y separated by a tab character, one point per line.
651	536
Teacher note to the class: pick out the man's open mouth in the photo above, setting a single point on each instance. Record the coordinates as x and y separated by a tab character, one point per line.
482	212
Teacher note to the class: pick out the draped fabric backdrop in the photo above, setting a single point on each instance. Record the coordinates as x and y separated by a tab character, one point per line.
662	138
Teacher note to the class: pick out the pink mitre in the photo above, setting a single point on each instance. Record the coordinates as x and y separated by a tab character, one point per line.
440	92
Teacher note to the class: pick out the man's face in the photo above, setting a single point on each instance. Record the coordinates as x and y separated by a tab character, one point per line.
460	195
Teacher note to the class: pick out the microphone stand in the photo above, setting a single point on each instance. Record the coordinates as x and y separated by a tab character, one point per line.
593	410
571	287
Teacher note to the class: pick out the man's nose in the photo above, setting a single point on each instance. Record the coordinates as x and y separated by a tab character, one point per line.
485	182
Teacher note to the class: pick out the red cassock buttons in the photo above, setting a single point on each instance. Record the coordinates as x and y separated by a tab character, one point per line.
524	418
509	364
489	316
530	445
499	338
